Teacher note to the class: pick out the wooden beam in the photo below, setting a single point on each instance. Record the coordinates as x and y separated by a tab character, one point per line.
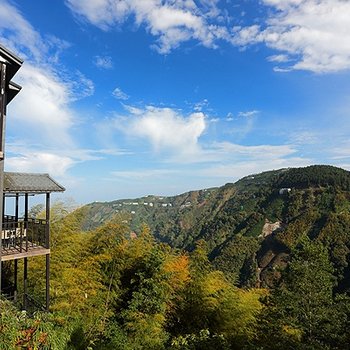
26	209
15	280
25	283
47	226
47	282
29	254
47	239
17	207
2	144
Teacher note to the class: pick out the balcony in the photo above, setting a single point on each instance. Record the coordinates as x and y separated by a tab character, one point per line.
23	238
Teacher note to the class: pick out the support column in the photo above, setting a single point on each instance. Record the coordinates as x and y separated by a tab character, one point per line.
25	265
47	226
17	207
26	209
16	261
47	282
3	207
3	103
15	280
47	244
25	284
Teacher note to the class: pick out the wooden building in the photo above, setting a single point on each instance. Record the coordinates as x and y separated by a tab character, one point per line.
22	237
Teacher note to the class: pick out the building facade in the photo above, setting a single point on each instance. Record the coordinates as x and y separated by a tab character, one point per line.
22	237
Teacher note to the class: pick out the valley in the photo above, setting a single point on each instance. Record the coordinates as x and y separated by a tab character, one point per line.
250	227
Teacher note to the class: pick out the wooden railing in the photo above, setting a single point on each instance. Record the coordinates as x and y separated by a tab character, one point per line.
23	235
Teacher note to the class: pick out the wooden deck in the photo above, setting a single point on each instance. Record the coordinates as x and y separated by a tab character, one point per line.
14	252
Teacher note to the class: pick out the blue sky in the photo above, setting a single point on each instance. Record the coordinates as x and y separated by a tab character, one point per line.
133	97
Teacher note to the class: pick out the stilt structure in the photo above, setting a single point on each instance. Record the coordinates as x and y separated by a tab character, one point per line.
25	237
22	238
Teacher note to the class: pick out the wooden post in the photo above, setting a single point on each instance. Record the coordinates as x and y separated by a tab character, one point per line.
6	59
47	282
17	207
3	207
15	280
25	284
47	226
47	241
2	144
26	206
16	261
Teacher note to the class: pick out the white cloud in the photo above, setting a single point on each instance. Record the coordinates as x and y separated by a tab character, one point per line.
27	157
165	128
248	114
40	162
200	106
133	110
230	117
141	174
17	32
304	137
102	13
282	70
120	94
233	161
79	86
177	138
18	35
253	152
341	151
278	58
41	108
313	33
40	119
104	62
236	170
172	22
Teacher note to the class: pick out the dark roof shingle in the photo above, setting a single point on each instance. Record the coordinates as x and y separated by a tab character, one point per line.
30	183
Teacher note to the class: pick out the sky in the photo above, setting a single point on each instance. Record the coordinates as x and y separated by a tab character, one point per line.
125	98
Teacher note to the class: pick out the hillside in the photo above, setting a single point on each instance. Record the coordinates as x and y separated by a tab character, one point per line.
250	226
111	290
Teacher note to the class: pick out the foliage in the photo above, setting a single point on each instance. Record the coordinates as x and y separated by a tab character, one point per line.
226	217
303	312
315	175
189	279
19	331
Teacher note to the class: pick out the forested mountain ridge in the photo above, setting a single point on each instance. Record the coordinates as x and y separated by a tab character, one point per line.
117	287
250	226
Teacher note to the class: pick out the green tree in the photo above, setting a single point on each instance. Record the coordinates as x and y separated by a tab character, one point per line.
302	312
212	313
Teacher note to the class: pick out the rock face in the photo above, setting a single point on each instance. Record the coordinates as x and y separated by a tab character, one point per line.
249	227
270	227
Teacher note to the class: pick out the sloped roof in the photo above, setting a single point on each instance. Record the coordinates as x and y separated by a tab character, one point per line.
13	62
30	183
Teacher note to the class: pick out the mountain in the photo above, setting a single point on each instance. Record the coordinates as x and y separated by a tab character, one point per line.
251	226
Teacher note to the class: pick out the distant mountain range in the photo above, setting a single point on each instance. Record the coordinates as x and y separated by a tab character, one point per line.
251	226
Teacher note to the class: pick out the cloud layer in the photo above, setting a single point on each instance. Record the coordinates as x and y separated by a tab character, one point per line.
43	107
164	128
311	35
172	22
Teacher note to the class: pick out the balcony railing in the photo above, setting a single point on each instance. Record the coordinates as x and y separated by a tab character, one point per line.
23	235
